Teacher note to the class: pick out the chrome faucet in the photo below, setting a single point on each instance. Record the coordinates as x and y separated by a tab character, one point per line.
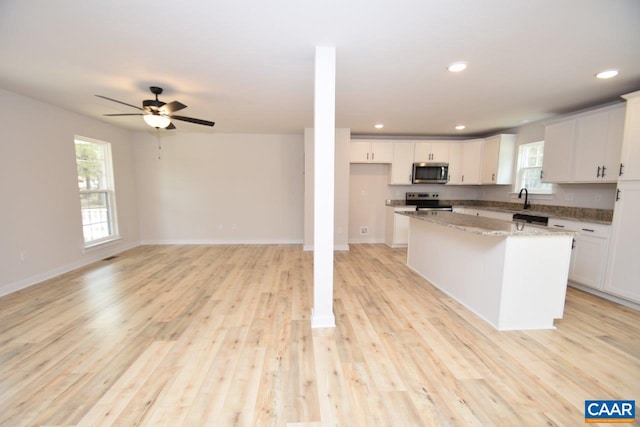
526	197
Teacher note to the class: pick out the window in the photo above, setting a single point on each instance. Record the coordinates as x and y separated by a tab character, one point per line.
530	168
97	195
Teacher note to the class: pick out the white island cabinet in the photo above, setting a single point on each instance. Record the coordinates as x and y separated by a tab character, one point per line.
493	267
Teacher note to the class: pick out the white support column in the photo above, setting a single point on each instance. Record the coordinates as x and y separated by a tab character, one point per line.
324	158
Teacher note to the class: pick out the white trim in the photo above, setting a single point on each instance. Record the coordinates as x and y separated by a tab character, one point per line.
605	295
100	243
326	321
219	242
357	240
41	277
309	248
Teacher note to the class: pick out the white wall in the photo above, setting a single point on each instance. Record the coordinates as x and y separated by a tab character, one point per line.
369	191
220	188
41	226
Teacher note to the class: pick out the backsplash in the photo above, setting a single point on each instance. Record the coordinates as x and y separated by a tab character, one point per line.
582	214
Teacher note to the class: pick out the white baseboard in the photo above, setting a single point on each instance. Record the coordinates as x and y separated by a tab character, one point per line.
309	248
220	242
358	240
41	277
326	321
612	298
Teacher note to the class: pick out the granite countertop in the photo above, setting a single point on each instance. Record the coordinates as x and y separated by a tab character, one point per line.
596	216
484	226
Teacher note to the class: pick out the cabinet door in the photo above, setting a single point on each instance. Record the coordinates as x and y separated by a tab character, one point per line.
422	152
402	164
490	152
440	152
558	151
613	147
623	268
471	162
587	260
359	151
455	163
591	139
432	151
381	152
401	230
631	139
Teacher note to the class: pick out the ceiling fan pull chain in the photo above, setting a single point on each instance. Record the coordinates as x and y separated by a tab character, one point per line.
159	144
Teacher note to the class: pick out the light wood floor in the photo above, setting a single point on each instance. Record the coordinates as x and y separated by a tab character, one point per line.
220	336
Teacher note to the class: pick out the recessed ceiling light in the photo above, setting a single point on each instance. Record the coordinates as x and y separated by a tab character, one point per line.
460	127
379	126
457	67
607	74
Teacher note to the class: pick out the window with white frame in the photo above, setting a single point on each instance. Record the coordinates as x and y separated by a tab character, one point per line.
97	193
530	158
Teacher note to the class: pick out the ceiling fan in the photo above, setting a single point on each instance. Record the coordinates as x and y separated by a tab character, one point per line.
158	114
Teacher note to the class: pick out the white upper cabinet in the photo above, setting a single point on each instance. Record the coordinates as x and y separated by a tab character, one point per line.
498	155
368	151
455	163
584	148
558	151
402	164
598	145
470	163
630	158
432	151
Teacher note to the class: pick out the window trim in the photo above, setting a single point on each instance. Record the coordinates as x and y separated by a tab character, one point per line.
110	192
517	184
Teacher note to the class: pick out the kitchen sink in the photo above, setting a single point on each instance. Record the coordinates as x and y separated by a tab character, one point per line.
531	219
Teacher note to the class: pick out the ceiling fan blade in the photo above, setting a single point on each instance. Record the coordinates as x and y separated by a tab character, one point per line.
131	114
192	120
171	126
172	106
119	102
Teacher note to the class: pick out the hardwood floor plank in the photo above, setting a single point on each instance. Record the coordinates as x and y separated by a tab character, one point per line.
203	335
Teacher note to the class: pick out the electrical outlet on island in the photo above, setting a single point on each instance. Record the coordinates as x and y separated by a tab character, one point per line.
364	230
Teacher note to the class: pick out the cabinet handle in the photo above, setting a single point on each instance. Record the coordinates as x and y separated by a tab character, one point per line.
372	154
588	229
462	178
541	173
573	244
598	174
367	156
603	169
558	225
493	177
617	194
621	166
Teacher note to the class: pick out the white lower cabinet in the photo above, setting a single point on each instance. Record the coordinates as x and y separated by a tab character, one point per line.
397	226
589	255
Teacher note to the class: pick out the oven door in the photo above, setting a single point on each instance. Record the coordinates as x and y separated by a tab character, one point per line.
430	173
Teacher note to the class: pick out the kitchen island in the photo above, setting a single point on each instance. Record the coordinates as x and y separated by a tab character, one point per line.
512	275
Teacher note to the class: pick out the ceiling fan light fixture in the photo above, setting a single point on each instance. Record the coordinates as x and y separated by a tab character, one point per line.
157	121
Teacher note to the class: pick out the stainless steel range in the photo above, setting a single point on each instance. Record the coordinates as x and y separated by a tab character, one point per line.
426	202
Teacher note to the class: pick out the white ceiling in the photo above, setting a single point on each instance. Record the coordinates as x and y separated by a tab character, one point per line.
248	64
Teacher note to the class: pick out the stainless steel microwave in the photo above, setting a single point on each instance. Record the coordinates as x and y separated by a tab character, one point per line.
430	173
